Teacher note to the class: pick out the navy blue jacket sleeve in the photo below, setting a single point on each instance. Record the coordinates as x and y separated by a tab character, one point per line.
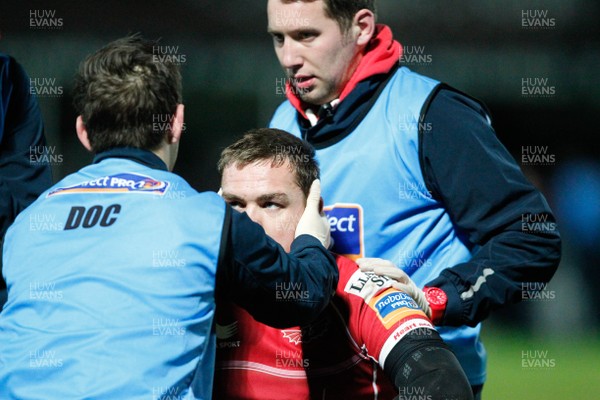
21	129
276	288
501	215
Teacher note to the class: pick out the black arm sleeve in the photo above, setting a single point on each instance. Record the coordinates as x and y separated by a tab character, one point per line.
421	364
21	128
492	204
276	288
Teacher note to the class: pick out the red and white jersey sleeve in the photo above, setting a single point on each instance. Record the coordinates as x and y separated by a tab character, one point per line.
380	315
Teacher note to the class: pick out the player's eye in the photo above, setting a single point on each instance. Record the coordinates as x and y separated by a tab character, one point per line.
271	205
307	35
236	205
277	38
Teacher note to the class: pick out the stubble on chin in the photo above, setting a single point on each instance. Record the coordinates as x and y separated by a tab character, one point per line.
317	94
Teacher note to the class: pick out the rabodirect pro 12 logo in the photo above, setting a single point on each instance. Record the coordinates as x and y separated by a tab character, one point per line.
119	183
392	306
346	224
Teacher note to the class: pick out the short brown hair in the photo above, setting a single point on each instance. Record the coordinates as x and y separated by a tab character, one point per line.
121	91
343	11
277	146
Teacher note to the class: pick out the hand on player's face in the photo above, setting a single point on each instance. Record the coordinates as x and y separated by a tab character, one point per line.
269	195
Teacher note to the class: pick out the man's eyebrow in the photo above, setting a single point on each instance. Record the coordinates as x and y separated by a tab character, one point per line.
231	197
292	32
277	196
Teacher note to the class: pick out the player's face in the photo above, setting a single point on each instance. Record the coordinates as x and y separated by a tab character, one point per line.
316	55
269	195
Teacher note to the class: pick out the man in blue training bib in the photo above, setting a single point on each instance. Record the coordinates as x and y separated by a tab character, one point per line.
412	170
115	298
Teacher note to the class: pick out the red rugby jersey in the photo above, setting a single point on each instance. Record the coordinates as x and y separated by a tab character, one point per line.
339	356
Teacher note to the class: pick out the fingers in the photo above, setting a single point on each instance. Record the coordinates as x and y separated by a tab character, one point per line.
367	264
416	294
314	195
329	243
312	222
402	287
392	272
382	267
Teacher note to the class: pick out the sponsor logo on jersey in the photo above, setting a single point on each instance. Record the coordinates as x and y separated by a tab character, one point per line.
393	306
228	331
346	223
225	334
402	330
366	284
392	301
119	183
293	335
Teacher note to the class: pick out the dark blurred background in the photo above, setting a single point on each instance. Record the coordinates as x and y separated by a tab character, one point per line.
534	63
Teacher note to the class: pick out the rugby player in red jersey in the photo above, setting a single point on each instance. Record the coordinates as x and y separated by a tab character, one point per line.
372	342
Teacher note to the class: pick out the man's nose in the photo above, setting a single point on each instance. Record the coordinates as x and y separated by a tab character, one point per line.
254	214
290	54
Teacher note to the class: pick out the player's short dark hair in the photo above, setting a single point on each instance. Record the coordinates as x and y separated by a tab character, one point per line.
343	11
122	90
276	146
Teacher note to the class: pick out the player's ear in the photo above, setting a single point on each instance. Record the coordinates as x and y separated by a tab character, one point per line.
177	124
364	26
82	133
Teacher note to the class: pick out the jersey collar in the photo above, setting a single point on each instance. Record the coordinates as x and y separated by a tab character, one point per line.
141	156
